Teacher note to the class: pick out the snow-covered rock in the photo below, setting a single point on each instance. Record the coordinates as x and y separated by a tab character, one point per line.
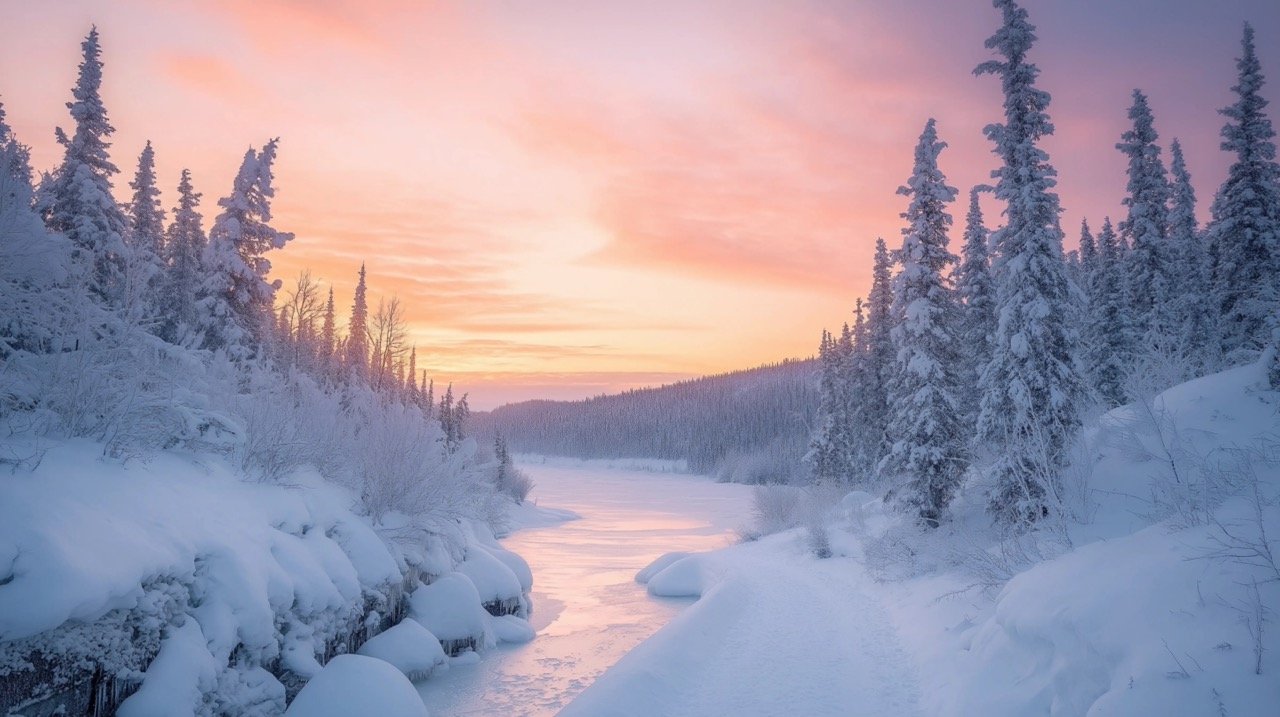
409	647
497	585
511	629
682	578
357	685
658	565
450	608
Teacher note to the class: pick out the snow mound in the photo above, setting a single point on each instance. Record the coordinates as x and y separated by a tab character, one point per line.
682	578
357	685
408	647
493	580
511	629
515	564
661	563
450	609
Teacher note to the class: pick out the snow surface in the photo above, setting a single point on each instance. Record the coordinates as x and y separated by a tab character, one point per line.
357	685
450	608
1129	613
409	647
588	609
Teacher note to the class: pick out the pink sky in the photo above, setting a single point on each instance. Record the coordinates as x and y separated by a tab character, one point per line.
577	197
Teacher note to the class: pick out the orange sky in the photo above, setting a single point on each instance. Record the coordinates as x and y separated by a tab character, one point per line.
576	197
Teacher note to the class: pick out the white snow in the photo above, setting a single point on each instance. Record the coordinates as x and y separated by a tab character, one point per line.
658	565
1134	615
449	608
409	647
511	629
492	579
357	685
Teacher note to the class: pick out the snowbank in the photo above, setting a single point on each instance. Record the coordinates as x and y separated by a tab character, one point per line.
408	647
205	592
658	565
451	609
1158	598
357	685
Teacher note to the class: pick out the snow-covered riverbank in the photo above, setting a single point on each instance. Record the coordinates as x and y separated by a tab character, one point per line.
587	608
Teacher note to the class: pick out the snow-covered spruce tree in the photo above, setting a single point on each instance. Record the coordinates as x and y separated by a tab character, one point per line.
1191	266
183	248
824	453
76	199
33	263
877	359
1106	351
328	337
1146	228
237	301
925	428
1088	253
976	290
1245	229
144	270
357	354
1031	387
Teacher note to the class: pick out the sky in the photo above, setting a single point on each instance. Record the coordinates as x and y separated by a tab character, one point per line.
572	198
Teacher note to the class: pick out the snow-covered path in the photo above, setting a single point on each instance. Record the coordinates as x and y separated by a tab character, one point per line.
774	634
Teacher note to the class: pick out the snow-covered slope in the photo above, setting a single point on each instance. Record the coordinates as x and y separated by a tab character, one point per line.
1153	597
217	594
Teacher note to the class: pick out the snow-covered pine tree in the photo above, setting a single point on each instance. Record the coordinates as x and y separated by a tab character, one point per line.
358	331
1031	387
878	358
1088	252
1146	228
76	199
1245	229
237	300
328	337
976	290
144	268
183	248
33	263
1106	350
824	456
925	428
1191	266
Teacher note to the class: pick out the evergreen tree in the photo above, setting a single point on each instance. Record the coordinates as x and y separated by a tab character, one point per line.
878	359
1245	229
328	336
358	331
33	263
237	299
1088	252
975	288
1191	264
1030	388
1107	353
183	249
144	271
925	429
823	456
1146	228
76	199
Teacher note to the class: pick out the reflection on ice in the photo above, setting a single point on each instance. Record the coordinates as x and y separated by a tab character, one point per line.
588	609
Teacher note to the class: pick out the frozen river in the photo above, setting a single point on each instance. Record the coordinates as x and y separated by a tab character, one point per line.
588	610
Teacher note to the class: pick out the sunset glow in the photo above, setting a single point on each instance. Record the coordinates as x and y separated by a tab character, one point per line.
575	198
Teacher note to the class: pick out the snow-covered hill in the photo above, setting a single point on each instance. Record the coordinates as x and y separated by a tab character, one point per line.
1158	596
209	594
